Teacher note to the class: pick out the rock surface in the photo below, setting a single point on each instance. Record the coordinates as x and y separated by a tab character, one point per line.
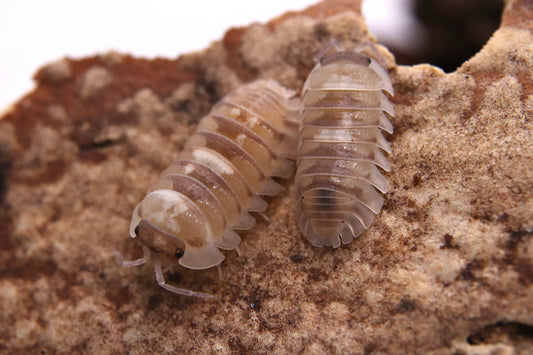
446	268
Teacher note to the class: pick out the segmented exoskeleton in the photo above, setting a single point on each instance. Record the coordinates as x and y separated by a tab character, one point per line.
201	198
344	109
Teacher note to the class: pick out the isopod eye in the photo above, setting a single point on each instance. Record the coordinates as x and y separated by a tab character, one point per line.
179	254
137	230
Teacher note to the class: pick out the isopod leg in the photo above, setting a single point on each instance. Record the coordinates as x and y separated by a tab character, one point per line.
180	291
331	43
132	263
220	274
264	216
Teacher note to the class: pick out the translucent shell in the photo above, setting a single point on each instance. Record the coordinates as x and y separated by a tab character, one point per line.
344	109
217	179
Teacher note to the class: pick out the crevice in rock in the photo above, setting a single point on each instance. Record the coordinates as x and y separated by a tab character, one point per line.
502	332
100	144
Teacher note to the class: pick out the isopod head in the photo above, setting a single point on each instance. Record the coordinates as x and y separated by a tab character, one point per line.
170	224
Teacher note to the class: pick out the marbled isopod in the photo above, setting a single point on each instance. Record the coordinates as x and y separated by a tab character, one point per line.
344	109
206	194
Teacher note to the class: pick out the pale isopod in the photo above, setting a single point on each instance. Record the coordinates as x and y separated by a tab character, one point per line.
344	109
208	191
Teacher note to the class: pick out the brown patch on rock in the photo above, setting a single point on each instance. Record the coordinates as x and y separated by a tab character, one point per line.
404	306
448	239
321	10
232	43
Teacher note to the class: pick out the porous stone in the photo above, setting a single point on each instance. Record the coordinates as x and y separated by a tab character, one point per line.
94	80
446	268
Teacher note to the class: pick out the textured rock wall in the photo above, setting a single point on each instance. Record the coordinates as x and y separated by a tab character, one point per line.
446	268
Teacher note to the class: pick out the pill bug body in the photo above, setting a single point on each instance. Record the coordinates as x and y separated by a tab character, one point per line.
344	109
206	194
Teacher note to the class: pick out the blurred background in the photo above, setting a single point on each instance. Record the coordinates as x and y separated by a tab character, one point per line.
441	32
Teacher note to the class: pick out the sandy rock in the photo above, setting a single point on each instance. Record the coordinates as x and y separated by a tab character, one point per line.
93	81
446	268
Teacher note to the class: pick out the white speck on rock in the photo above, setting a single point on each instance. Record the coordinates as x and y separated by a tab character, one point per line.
94	80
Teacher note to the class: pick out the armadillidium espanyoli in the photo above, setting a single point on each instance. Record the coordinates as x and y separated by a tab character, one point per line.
206	194
344	109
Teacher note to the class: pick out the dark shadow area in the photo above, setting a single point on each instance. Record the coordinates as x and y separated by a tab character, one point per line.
453	31
5	167
519	334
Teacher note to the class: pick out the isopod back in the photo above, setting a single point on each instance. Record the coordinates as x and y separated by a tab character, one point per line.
206	194
344	111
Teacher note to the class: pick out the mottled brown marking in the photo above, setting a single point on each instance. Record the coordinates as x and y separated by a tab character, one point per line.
119	297
526	80
406	305
297	258
448	239
31	269
482	80
6	242
43	174
417	177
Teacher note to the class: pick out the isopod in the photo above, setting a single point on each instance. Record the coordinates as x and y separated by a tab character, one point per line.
206	194
344	109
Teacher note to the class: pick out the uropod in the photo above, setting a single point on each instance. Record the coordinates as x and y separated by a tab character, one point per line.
206	194
344	109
